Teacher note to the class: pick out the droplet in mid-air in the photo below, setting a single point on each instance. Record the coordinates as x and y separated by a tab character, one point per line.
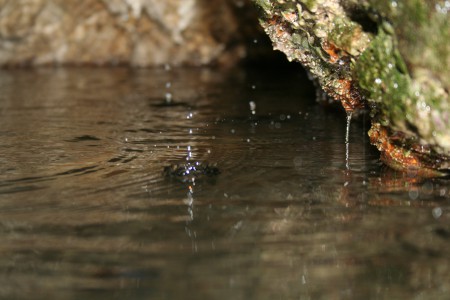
168	98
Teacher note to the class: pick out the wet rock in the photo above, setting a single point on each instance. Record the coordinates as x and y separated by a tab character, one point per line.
136	32
390	56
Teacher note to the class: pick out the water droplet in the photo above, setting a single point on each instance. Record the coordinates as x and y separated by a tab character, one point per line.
253	87
395	85
378	81
168	84
413	193
167	67
255	41
252	105
168	98
282	117
248	140
394	4
437	212
232	131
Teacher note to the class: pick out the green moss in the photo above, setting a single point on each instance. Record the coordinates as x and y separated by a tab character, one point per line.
380	70
395	52
309	4
342	35
266	5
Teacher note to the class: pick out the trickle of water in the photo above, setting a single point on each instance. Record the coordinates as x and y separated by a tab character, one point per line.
347	139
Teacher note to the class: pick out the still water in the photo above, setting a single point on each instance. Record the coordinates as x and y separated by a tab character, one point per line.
87	212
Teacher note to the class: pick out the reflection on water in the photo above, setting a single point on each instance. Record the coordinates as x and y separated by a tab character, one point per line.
86	211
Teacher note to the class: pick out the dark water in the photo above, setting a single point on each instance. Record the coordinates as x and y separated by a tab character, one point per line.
86	212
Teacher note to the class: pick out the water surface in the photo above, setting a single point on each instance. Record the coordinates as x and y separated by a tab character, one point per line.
87	213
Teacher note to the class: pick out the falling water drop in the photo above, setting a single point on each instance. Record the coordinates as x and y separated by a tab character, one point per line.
168	98
252	107
347	140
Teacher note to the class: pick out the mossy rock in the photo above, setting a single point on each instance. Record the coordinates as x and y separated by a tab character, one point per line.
389	56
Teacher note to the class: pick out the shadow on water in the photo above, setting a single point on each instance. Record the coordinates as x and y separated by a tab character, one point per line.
271	208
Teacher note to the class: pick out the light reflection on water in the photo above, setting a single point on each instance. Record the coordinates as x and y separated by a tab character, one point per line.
85	210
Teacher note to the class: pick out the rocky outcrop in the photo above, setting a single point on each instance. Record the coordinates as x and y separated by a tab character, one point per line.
389	56
135	32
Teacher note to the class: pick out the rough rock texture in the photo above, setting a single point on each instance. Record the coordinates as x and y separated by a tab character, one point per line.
391	56
136	32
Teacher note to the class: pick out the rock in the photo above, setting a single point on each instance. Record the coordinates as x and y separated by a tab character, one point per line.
390	56
137	32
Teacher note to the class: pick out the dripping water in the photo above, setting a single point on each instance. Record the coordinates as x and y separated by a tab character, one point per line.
347	138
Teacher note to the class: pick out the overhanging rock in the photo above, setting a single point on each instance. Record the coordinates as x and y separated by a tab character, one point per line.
390	56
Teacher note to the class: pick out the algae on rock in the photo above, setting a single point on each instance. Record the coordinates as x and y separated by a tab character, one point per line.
391	56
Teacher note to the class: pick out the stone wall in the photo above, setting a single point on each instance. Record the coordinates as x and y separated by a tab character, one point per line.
135	32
